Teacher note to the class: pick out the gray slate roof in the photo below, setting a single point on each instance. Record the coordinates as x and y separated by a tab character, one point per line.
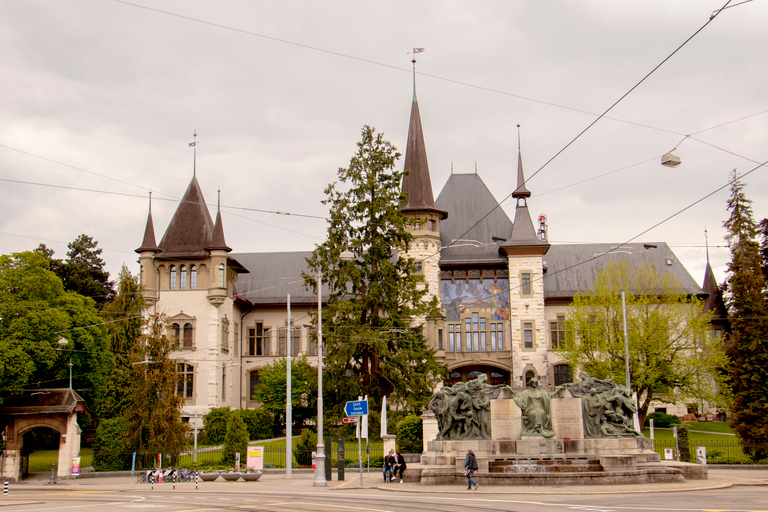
274	275
466	199
572	268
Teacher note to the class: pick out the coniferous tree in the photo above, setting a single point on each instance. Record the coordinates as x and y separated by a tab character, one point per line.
747	344
154	411
373	348
124	323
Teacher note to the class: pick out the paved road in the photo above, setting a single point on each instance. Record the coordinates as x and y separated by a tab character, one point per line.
726	490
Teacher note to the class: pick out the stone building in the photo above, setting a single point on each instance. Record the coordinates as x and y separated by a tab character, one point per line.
504	289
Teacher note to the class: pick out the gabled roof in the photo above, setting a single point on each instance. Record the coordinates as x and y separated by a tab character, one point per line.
469	202
417	184
37	401
191	228
572	268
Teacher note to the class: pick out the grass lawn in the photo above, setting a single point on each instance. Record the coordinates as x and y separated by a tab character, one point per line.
41	460
698	431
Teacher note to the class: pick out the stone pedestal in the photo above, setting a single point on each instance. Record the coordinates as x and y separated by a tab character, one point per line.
506	420
390	443
430	428
567	418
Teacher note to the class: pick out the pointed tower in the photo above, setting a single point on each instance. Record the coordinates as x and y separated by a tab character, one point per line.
218	249
714	302
524	252
423	215
147	278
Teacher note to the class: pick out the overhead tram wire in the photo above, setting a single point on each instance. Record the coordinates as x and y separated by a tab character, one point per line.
712	17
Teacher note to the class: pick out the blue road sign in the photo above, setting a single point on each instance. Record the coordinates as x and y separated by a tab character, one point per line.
356	408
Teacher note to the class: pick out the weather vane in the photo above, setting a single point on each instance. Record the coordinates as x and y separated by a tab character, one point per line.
193	144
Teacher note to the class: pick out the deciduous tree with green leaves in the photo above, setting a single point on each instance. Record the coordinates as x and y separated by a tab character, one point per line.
271	391
665	328
747	343
373	348
35	313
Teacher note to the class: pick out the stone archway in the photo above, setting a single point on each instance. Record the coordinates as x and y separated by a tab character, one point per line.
55	409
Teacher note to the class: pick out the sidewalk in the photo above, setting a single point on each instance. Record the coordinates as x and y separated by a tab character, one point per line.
302	481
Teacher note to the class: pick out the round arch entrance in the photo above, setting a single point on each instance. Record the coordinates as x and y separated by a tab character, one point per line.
464	373
54	409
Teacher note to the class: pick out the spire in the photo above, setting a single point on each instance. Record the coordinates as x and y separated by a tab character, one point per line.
191	227
417	185
149	244
217	242
520	191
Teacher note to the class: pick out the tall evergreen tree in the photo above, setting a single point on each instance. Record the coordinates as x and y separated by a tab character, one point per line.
373	349
124	323
154	411
747	344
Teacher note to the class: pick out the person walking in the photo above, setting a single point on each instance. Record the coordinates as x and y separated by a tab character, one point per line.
470	466
400	466
389	464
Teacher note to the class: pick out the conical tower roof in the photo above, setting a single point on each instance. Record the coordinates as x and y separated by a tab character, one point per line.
149	244
217	241
524	239
191	229
417	184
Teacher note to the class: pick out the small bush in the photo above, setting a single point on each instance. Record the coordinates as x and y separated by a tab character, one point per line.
304	447
662	420
215	423
259	423
410	435
111	447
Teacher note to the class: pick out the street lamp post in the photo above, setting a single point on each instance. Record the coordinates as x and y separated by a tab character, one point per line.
63	342
320	480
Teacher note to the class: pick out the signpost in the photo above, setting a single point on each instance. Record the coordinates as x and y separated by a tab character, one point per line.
353	408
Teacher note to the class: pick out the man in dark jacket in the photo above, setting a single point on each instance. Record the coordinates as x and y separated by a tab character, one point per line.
470	466
389	465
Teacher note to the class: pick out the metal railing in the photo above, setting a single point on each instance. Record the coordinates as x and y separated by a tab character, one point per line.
718	452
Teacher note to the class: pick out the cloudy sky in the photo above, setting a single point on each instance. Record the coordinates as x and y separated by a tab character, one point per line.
100	98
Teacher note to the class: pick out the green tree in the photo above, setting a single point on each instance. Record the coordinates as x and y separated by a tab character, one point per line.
410	435
35	314
271	392
236	439
154	411
373	347
747	343
665	328
110	451
215	424
259	423
124	323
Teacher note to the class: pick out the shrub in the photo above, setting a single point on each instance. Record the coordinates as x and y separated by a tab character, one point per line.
662	420
410	435
215	424
682	443
259	423
110	451
236	438
304	447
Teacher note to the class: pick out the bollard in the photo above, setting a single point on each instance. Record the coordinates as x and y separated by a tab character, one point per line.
152	482
5	488
174	481
53	474
195	480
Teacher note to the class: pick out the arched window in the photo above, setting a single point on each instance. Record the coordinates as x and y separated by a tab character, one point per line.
474	374
188	341
221	275
192	277
175	333
172	284
183	276
528	376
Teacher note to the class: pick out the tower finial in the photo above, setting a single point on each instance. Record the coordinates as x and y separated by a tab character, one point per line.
413	61
218	200
706	242
194	157
150	202
518	138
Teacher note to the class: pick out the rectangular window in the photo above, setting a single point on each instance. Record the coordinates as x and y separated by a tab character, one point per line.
185	374
498	330
525	284
295	340
225	335
254	381
281	342
223	384
451	338
528	334
312	341
468	340
439	339
557	333
482	340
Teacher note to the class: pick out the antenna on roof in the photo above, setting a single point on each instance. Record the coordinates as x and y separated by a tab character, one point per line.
475	166
194	158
